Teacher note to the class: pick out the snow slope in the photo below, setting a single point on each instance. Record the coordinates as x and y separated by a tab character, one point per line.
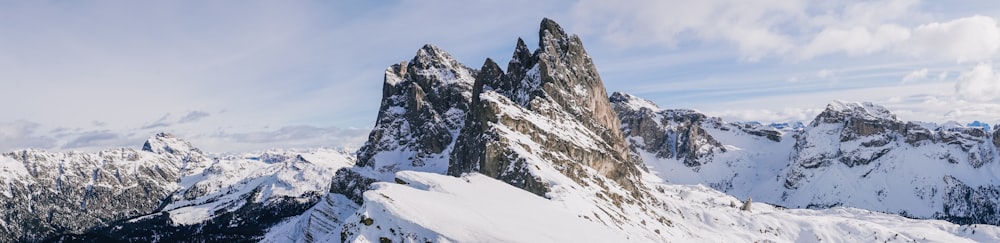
541	157
431	207
535	154
231	180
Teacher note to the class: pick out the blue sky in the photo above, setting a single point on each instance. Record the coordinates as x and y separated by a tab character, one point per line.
250	75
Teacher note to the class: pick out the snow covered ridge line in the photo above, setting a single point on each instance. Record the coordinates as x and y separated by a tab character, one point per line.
429	207
852	154
545	126
536	152
161	190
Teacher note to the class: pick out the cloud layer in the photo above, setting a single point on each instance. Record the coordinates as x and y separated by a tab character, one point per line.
982	83
233	76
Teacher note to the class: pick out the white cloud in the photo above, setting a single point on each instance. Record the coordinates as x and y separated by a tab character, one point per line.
22	134
794	29
943	108
301	136
982	83
769	115
315	63
915	76
319	64
943	75
855	41
965	39
193	116
847	14
825	74
750	25
102	139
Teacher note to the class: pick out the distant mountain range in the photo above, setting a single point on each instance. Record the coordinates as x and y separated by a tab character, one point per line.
538	152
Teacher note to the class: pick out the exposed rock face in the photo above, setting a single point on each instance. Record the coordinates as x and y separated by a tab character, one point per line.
848	133
866	132
996	136
424	105
917	134
675	134
871	126
923	162
545	125
851	154
687	147
549	106
351	184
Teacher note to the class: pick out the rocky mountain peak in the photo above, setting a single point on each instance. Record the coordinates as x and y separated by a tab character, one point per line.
522	55
552	37
553	97
166	143
491	77
631	102
521	61
568	76
838	111
432	61
424	102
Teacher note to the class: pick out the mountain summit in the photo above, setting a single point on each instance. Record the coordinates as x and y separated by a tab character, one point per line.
550	106
424	104
536	153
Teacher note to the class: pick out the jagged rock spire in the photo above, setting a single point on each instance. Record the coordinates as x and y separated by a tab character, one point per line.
520	61
559	83
423	105
551	37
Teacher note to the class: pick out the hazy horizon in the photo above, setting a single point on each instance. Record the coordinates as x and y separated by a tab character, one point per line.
243	76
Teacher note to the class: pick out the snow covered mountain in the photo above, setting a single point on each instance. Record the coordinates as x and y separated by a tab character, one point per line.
537	159
852	154
167	191
429	207
536	153
52	193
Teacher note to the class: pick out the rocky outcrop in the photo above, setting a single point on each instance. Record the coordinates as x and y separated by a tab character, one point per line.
674	134
549	106
851	154
863	142
851	134
424	104
544	125
996	136
866	132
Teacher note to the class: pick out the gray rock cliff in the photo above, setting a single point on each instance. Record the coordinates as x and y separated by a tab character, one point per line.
556	99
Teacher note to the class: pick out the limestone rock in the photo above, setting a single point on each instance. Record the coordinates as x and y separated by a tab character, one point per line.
548	106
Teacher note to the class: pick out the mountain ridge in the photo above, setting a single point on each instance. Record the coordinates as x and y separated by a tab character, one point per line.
537	153
845	156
